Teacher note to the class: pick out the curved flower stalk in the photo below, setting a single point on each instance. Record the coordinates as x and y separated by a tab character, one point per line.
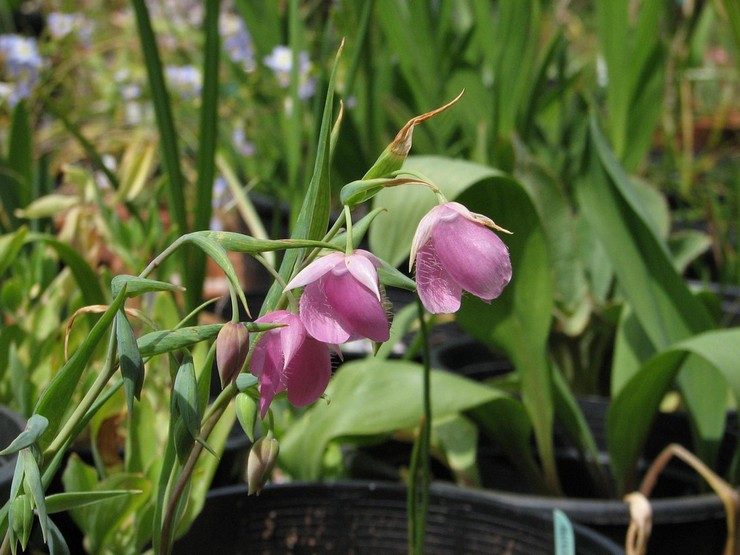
342	300
454	249
288	358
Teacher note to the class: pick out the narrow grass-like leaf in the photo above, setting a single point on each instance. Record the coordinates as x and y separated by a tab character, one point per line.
53	401
56	542
85	276
35	426
165	341
130	360
206	154
313	218
219	255
237	242
163	112
20	152
137	285
10	246
34	488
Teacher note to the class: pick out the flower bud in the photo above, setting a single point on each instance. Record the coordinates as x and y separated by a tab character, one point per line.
232	346
262	459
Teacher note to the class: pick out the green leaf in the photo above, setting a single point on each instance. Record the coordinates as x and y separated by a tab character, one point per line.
35	426
395	390
53	403
130	360
665	308
60	502
237	242
137	285
165	341
632	411
313	218
85	276
244	381
219	255
34	488
10	246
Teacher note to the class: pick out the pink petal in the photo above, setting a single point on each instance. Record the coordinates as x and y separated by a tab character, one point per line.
308	373
438	292
473	255
319	317
356	309
424	231
363	270
316	269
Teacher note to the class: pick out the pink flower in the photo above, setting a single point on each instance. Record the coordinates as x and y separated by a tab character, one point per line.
342	299
287	358
454	251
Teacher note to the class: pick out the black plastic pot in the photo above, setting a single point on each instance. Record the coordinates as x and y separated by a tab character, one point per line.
368	517
11	424
686	520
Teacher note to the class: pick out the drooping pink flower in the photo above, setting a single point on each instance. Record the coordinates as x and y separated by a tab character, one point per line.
454	250
342	300
287	358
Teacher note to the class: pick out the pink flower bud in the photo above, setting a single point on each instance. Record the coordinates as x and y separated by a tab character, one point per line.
232	346
260	463
341	300
454	250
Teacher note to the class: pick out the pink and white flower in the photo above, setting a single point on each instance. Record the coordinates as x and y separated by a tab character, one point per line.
455	250
287	358
342	300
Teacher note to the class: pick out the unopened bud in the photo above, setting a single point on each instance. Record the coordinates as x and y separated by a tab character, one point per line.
261	462
232	346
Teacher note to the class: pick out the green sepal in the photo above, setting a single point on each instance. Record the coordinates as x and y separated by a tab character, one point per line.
186	396
246	413
130	360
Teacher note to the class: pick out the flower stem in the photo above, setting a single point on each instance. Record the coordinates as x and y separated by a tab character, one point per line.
350	247
419	480
109	368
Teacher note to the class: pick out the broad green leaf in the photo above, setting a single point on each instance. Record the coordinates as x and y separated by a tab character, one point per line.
53	403
632	411
667	311
130	360
137	285
370	398
35	426
457	437
516	323
686	246
245	380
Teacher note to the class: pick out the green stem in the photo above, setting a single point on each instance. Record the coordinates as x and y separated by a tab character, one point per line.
349	249
109	368
418	497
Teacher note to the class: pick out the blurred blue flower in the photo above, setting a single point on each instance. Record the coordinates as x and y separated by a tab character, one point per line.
280	61
20	67
62	24
242	145
185	80
237	41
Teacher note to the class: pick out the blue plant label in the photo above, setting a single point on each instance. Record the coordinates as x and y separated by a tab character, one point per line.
565	543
